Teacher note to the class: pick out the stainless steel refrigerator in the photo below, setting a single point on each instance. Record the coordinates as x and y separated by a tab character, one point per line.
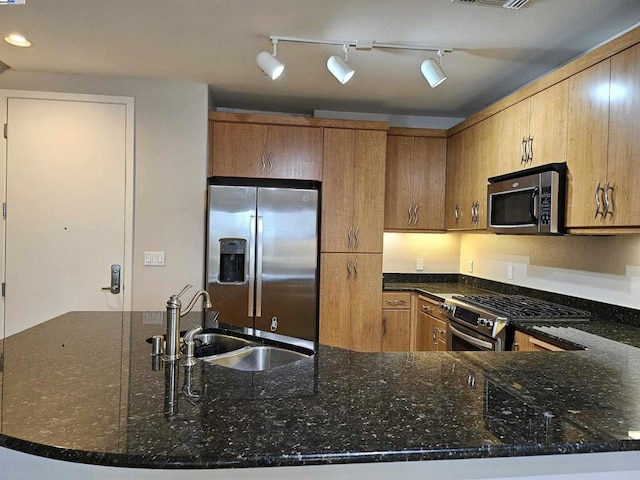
263	258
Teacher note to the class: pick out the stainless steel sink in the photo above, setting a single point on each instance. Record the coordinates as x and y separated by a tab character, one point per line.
208	344
257	358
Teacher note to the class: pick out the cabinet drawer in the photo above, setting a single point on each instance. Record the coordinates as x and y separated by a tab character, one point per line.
396	300
431	307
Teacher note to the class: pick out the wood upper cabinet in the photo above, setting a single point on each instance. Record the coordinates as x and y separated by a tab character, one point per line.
353	190
604	144
624	139
533	131
466	184
265	151
350	299
415	183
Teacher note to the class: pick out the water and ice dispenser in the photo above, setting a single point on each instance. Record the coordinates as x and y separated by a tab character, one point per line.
232	260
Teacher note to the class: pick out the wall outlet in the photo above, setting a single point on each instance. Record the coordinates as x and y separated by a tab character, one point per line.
155	259
510	272
419	264
470	266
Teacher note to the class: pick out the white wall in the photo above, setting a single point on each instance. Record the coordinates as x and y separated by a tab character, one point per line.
170	173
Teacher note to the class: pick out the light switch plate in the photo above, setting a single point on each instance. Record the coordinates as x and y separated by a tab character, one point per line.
470	266
419	264
510	272
154	259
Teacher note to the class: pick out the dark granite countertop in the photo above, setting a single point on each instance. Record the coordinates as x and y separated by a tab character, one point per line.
82	388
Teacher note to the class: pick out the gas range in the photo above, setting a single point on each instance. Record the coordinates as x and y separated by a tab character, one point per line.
485	321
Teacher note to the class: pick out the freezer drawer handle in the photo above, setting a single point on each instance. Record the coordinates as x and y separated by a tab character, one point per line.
274	324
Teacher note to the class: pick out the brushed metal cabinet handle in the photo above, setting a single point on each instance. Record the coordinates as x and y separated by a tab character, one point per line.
523	148
415	215
357	237
608	202
348	268
409	215
349	238
530	149
264	164
597	200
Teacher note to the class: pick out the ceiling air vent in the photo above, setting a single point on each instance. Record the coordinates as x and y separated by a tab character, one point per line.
511	4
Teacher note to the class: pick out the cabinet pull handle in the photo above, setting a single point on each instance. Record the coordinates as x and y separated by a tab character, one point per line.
530	149
270	163
434	336
348	268
426	308
608	203
516	347
349	237
264	164
355	268
523	152
456	213
415	215
409	215
357	237
597	199
396	302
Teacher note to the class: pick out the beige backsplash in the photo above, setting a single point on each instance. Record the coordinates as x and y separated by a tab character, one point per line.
605	269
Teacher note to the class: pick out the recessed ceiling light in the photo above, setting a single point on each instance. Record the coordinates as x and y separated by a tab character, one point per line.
17	40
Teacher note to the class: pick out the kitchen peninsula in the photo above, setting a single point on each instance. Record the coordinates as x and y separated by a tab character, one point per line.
82	388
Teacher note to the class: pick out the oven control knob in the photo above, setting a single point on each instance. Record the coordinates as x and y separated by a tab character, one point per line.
446	308
481	321
489	323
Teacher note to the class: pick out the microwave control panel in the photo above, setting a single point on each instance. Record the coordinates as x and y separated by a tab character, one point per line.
545	205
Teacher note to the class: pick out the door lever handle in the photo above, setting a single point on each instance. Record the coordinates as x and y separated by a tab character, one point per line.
115	280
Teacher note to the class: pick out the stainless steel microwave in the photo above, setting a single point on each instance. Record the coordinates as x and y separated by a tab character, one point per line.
530	201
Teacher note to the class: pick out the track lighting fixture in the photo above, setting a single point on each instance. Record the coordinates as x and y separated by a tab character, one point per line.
268	62
340	68
432	71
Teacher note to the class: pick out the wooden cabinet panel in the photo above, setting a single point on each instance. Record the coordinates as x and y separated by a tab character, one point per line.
523	342
415	183
588	129
549	113
514	129
454	182
368	190
237	149
396	330
353	190
265	151
624	137
398	184
430	326
350	299
295	152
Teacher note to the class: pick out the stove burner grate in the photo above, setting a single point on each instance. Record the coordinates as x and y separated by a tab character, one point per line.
520	307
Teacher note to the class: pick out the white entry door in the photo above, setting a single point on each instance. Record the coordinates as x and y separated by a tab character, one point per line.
68	206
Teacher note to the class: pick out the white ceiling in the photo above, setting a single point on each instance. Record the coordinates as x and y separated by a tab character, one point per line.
215	42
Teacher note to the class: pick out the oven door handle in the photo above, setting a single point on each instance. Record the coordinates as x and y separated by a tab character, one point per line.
472	340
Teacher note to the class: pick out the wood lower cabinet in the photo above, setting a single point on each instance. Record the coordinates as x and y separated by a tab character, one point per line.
396	321
415	183
431	326
350	300
523	342
265	151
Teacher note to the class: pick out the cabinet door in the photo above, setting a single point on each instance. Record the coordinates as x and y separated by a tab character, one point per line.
396	330
337	189
335	300
514	124
624	137
429	178
548	124
398	180
454	186
474	179
237	150
368	190
588	129
425	341
366	301
294	152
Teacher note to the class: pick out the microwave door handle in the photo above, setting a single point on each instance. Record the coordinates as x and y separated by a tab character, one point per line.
534	206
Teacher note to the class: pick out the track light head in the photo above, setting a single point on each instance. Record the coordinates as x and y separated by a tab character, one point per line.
339	68
269	64
432	71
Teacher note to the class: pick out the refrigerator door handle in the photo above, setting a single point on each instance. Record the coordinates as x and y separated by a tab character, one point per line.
252	265
259	267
